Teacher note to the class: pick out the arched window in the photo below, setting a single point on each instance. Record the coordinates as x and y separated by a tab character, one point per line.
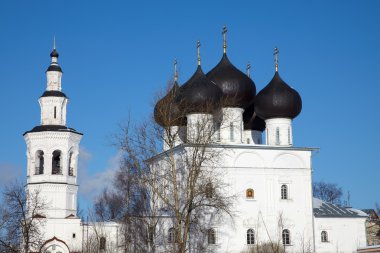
211	237
71	162
284	191
56	163
324	236
250	193
39	162
55	112
209	190
285	237
250	236
277	136
102	245
171	235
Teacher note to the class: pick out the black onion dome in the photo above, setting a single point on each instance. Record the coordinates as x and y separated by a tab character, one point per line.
278	100
252	121
238	89
199	94
54	65
167	112
54	53
258	124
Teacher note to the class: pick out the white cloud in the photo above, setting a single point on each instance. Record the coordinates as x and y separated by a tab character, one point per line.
91	185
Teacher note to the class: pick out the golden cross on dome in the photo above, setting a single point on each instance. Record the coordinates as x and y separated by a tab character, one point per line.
248	70
175	71
276	58
224	39
54	42
199	52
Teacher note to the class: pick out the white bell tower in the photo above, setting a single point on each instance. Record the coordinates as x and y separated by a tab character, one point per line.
52	150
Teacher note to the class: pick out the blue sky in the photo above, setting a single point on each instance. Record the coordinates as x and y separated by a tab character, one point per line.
117	54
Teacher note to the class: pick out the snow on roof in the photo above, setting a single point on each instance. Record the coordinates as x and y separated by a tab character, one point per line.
324	209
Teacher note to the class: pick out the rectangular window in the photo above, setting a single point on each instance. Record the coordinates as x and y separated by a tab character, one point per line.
55	112
232	137
277	136
217	131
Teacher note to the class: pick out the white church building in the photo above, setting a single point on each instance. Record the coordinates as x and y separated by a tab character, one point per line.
271	177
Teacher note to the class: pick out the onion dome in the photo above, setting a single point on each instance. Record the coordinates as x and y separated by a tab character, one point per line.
252	121
238	89
54	53
54	58
167	112
199	94
278	100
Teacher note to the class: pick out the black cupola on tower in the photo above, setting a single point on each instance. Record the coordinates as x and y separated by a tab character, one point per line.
166	111
238	89
54	60
199	94
278	99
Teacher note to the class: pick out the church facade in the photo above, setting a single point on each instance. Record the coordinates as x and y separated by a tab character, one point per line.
270	176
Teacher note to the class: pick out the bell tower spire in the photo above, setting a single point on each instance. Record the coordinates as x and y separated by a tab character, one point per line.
53	101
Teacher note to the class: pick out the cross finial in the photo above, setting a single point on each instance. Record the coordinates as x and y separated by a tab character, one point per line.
249	69
276	58
54	42
199	52
224	39
175	71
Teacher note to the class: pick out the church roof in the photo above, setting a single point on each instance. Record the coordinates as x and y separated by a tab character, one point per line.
322	209
55	128
53	93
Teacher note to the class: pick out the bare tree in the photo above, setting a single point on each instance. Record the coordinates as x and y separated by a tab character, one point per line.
180	189
22	219
328	192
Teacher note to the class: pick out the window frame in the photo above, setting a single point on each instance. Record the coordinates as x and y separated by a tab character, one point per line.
324	236
250	236
102	243
286	237
209	190
211	236
284	192
171	235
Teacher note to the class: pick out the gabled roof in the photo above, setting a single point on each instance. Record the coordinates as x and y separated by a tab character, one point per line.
323	209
